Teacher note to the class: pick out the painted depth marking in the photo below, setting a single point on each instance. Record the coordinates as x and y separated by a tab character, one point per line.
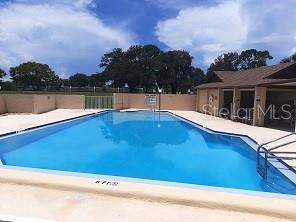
108	183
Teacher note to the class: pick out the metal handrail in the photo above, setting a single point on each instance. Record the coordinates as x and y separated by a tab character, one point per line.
270	154
281	145
272	141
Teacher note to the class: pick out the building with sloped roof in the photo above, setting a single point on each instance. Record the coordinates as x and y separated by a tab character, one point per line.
261	91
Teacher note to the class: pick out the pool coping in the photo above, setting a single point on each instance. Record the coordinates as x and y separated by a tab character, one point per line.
279	206
149	189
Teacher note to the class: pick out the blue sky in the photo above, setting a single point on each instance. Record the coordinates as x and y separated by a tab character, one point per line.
72	35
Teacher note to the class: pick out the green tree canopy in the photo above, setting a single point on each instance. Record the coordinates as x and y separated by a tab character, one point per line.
133	67
197	77
65	82
98	79
174	70
2	74
247	59
251	58
114	66
35	75
226	62
146	66
79	80
136	66
291	58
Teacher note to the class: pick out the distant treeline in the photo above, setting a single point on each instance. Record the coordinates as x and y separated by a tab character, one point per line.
139	68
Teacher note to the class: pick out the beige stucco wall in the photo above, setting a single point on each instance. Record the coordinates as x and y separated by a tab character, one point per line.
19	103
236	101
213	101
29	103
16	103
202	100
44	103
259	106
178	102
70	101
117	101
209	101
120	101
2	105
168	101
137	101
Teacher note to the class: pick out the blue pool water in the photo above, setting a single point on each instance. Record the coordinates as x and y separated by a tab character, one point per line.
143	145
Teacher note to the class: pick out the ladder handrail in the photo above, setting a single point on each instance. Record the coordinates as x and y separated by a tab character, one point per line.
272	141
283	144
283	157
270	153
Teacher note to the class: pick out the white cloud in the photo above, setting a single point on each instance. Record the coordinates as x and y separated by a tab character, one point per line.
231	25
63	34
180	4
74	3
293	51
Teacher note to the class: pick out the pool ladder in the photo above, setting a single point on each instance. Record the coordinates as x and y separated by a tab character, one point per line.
264	154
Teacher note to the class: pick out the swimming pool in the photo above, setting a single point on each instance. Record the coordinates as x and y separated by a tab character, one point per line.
145	145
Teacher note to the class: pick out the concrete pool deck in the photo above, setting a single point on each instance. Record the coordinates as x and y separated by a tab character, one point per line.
16	122
259	134
72	198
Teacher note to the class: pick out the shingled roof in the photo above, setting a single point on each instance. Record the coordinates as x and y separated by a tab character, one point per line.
266	75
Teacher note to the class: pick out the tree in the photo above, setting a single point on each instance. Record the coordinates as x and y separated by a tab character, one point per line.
65	82
174	68
132	66
251	58
197	77
148	60
194	78
2	74
35	75
114	67
98	79
53	81
8	85
136	66
247	59
79	80
148	67
291	58
226	62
